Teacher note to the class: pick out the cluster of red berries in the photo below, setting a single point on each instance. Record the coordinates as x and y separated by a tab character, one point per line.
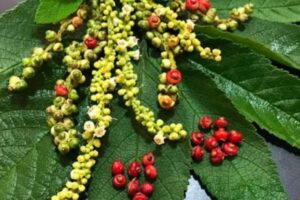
222	144
198	5
134	189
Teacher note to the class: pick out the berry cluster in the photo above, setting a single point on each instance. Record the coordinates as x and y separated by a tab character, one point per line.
41	55
222	144
134	189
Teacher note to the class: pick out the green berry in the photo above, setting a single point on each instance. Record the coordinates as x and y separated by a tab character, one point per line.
51	36
64	148
28	72
73	143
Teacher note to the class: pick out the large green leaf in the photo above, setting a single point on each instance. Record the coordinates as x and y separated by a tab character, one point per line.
264	94
252	175
30	168
52	11
278	10
277	41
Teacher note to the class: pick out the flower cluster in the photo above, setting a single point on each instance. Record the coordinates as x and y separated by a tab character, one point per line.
237	15
172	36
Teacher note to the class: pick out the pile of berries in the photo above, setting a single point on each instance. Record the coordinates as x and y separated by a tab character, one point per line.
221	144
134	189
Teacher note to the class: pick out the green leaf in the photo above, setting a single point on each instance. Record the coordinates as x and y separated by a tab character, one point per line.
264	94
251	172
277	41
52	11
279	10
30	168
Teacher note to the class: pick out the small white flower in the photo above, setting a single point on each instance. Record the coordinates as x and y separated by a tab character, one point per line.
123	44
94	112
89	126
159	139
100	131
135	54
132	41
160	11
116	21
112	83
190	24
127	9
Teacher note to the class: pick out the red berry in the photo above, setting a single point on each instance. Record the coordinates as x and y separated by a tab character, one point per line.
216	156
235	137
150	172
119	181
197	153
174	76
153	21
117	167
230	149
148	159
221	134
221	122
205	122
140	196
197	138
90	42
133	187
61	90
147	188
134	169
192	5
211	143
204	5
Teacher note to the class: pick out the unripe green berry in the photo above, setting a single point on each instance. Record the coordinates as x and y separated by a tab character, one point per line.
173	89
68	123
71	28
73	95
73	143
174	136
62	135
51	36
21	85
63	148
222	27
166	63
28	72
58	128
59	101
156	42
76	75
57	47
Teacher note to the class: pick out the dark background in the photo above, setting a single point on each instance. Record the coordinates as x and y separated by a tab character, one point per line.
286	157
